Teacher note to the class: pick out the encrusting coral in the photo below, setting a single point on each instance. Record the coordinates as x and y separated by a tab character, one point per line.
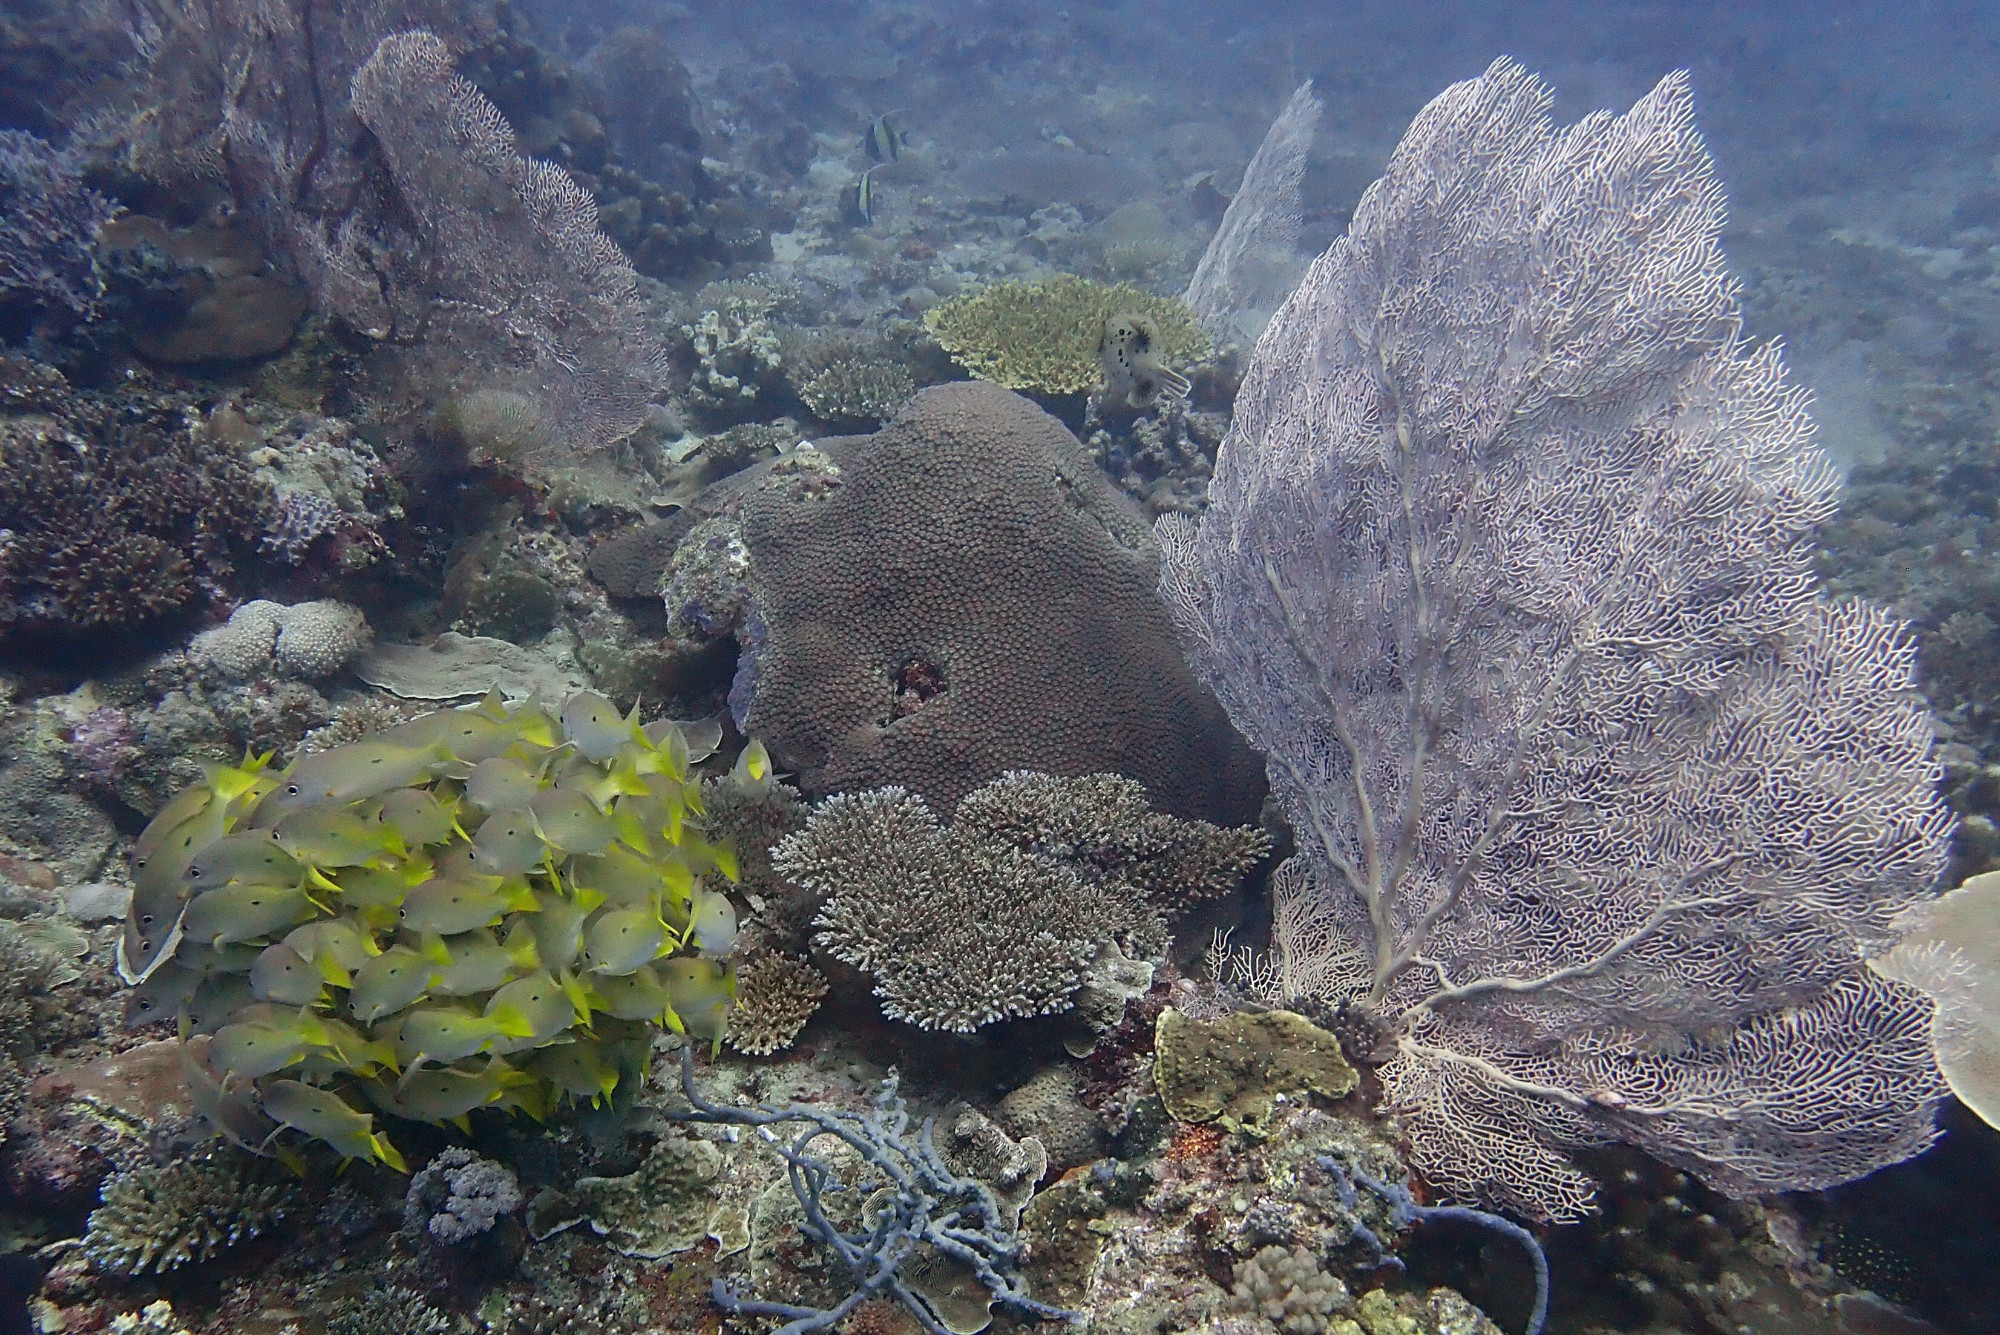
1048	336
1000	914
158	1218
479	907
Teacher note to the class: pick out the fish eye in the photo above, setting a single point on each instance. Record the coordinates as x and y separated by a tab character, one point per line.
145	920
291	790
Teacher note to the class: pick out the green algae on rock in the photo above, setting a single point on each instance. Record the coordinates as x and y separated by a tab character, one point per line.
1234	1071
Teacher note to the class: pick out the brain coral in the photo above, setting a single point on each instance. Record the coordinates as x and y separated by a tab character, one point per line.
967	596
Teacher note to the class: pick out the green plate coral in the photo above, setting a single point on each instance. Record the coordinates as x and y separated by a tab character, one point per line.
1047	337
482	907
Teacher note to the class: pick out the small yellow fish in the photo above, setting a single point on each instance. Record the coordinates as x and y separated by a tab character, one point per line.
347	774
325	1115
713	926
474	962
244	912
638	995
383	886
618	941
449	907
752	771
558	929
161	995
499	783
335	947
283	975
219	997
703	993
224	1104
594	727
508	844
331	838
183	807
476	734
252	1050
442	1093
389	982
252	858
583	1068
418	817
572	822
537	1008
446	1034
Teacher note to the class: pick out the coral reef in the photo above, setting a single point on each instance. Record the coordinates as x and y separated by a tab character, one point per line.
844	379
1048	1108
959	595
459	1195
305	640
191	296
1237	1070
1002	913
737	347
775	996
118	510
663	1208
48	228
1047	336
156	1219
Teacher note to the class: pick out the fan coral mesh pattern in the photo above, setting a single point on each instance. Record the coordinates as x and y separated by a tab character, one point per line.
156	1219
966	595
117	512
1251	263
1508	568
524	287
996	916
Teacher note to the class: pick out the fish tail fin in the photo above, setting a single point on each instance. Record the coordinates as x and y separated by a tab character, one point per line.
386	1151
432	947
512	1021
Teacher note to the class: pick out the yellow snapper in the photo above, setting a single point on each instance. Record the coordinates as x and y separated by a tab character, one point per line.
446	1034
558	929
627	880
537	1008
703	993
339	1048
389	982
617	941
713	927
183	807
383	886
251	1050
148	940
346	774
229	1110
326	838
418	817
252	858
161	994
572	822
752	771
508	845
325	1115
584	1068
638	995
442	1093
335	947
474	962
244	912
283	975
219	997
476	734
594	727
700	737
500	783
449	907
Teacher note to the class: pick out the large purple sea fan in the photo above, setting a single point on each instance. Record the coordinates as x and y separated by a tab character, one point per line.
1508	569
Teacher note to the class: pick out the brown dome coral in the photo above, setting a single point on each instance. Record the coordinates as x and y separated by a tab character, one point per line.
965	596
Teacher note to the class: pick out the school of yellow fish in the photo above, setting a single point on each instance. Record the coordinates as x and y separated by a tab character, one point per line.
487	906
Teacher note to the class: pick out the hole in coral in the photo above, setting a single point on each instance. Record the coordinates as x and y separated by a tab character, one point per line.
918	681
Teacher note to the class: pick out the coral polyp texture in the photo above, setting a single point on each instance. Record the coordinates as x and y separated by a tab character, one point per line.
1000	914
480	907
1508	567
116	511
962	594
1046	336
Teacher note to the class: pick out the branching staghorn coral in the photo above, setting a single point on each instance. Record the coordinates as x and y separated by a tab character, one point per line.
1508	569
924	1209
156	1219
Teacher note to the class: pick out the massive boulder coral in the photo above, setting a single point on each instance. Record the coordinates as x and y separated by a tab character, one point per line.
962	594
